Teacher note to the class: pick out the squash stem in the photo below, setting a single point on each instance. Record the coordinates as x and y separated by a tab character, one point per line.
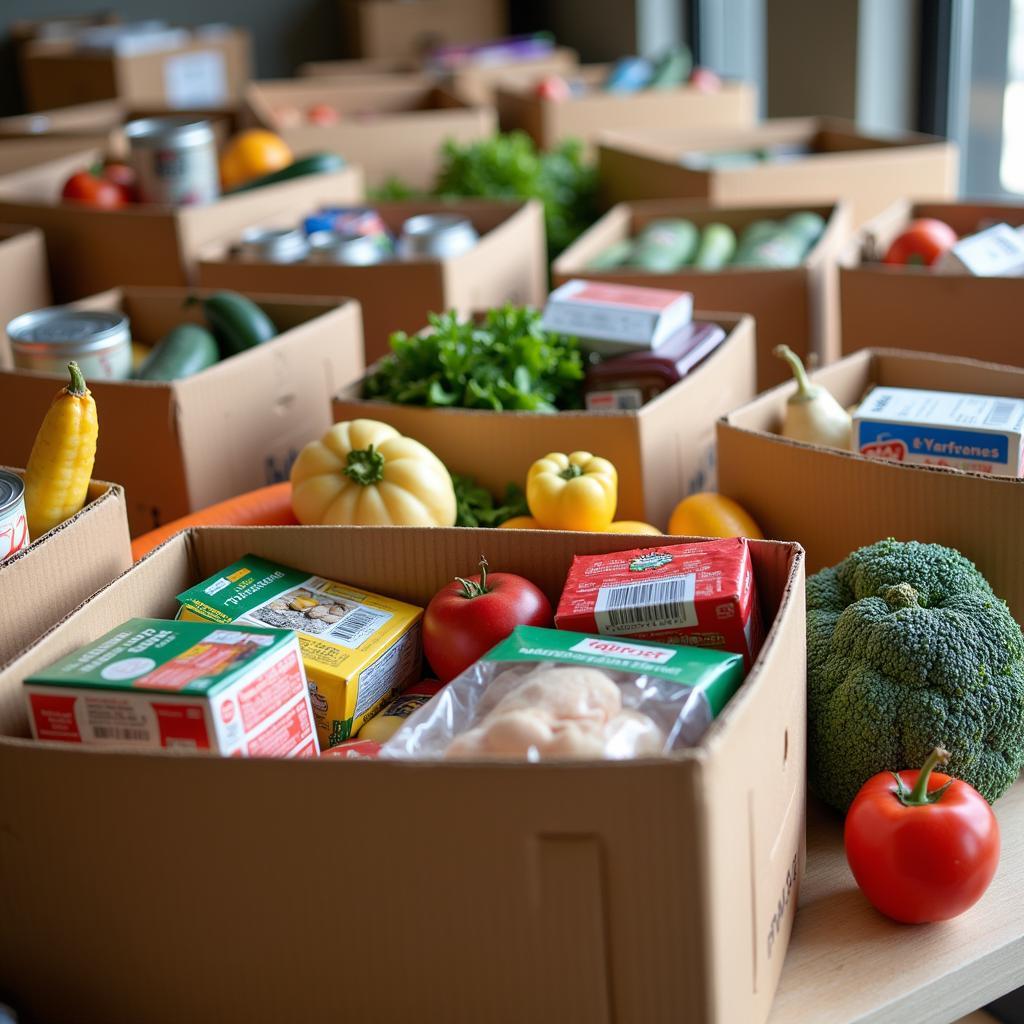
804	388
77	387
365	466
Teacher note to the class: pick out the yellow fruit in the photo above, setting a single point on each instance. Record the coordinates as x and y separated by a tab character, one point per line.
521	523
712	515
251	154
633	526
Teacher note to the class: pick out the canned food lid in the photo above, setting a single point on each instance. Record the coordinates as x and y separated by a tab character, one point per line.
261	236
435	224
158	131
12	487
78	329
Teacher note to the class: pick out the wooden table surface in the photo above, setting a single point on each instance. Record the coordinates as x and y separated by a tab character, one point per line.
847	963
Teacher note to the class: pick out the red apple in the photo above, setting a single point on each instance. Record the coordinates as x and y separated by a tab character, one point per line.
705	80
553	87
322	114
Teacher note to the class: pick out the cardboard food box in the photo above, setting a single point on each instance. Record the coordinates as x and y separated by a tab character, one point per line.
592	891
25	277
549	122
833	502
508	264
388	28
390	128
208	68
796	306
917	309
663	451
868	171
182	445
91	249
42	582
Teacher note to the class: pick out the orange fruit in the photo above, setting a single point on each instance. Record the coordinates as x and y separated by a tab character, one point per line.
251	154
712	515
632	526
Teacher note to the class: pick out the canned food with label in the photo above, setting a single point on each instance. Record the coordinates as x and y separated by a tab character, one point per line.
13	520
436	236
175	159
46	340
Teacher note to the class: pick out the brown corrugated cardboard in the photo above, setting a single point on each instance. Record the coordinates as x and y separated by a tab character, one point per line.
917	309
361	67
180	446
833	501
90	249
391	128
549	122
797	306
508	264
212	68
662	451
23	271
868	171
21	152
44	581
657	891
384	28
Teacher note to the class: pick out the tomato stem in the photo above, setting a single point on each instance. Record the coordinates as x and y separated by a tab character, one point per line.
919	795
470	588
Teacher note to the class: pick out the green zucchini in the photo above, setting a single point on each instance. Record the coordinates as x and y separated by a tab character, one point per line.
754	234
183	351
614	256
672	69
238	323
315	163
717	246
665	245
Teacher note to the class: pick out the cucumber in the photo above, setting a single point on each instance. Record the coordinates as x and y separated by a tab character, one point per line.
315	163
614	256
238	323
807	224
665	245
183	351
672	69
717	245
753	235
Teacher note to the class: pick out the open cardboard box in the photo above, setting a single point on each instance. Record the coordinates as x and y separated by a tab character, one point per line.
209	68
658	890
391	129
45	580
868	171
834	501
508	264
917	309
181	445
663	451
384	28
796	306
143	244
25	277
549	122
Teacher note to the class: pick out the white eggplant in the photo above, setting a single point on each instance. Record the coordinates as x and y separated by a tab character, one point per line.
812	413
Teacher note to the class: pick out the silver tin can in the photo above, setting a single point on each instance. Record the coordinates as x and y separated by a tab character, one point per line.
13	520
351	250
272	245
175	159
46	340
436	236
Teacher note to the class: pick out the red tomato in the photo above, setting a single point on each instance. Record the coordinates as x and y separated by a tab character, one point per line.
705	80
921	851
465	619
922	243
124	177
88	189
322	114
553	87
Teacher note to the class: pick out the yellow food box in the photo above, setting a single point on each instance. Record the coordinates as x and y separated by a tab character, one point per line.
358	648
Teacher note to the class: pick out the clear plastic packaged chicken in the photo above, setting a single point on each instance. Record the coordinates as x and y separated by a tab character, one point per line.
547	694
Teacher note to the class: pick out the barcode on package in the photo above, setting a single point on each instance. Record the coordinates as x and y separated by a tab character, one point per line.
1001	413
627	608
110	732
358	626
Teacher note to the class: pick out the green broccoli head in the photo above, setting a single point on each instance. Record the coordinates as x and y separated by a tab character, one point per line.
908	649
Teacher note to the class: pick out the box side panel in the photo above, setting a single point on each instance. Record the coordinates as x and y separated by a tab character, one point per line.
60	80
624	174
26	279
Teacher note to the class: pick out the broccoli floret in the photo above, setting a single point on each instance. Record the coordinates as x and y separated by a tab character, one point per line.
909	649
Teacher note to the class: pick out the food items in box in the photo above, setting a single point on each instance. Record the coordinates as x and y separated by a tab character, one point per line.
315	163
60	464
705	80
13	518
186	686
468	616
578	491
97	190
46	339
907	647
253	154
977	433
175	160
665	244
701	594
632	526
238	323
924	242
438	236
708	514
390	718
543	694
358	648
364	473
181	352
923	846
997	251
476	506
812	413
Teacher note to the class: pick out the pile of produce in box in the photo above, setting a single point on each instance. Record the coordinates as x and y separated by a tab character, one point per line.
991	250
669	244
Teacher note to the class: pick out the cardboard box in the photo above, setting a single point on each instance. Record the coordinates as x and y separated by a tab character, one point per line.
22	152
210	69
26	280
90	249
868	171
662	451
508	264
833	502
386	28
549	122
182	445
798	306
916	309
660	890
40	584
391	128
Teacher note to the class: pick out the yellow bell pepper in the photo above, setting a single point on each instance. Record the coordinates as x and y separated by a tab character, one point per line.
60	466
572	492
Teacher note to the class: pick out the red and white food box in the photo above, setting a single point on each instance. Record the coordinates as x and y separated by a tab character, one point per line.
699	594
